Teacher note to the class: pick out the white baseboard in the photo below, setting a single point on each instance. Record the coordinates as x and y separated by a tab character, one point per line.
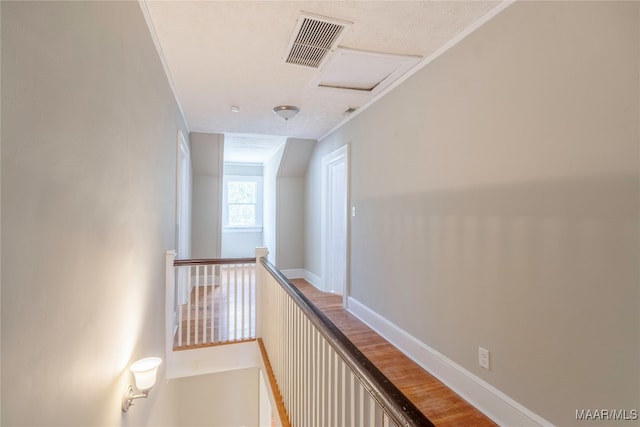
313	279
293	273
492	402
301	273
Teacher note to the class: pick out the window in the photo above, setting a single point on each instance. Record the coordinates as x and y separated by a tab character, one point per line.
242	205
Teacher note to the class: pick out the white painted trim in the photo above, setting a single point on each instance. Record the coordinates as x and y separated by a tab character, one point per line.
313	279
232	230
208	360
451	43
258	181
219	196
492	402
183	189
301	273
171	323
293	273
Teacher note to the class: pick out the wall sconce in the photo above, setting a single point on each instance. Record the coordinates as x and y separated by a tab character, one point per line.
286	111
144	371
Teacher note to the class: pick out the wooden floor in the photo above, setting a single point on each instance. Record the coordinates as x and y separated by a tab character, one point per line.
232	303
441	405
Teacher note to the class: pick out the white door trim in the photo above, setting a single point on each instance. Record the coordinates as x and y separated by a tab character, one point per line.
183	213
183	198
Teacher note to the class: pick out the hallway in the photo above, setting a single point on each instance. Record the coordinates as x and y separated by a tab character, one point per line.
440	404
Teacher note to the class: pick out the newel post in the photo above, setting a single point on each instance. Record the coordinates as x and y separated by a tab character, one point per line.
170	303
260	253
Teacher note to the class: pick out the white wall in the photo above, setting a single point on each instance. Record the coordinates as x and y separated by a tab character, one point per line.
290	185
497	205
0	230
269	225
284	196
266	412
89	141
290	222
244	169
207	156
240	244
222	399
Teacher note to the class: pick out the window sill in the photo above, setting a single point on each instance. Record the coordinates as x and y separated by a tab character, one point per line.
242	229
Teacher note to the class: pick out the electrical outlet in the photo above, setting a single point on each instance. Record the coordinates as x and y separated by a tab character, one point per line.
483	358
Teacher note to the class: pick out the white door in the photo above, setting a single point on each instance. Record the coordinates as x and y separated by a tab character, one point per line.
335	196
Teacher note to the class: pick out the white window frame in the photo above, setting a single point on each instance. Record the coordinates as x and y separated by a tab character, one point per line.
225	208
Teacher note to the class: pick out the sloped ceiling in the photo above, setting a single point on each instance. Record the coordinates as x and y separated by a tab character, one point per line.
224	53
296	157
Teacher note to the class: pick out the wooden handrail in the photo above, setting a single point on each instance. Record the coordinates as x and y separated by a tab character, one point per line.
213	261
399	408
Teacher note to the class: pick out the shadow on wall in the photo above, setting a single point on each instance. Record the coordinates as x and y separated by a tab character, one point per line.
222	399
537	271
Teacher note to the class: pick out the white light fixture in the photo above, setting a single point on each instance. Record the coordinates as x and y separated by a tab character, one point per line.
235	108
145	372
286	111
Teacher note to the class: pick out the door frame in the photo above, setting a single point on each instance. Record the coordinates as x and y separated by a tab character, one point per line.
328	161
183	213
183	198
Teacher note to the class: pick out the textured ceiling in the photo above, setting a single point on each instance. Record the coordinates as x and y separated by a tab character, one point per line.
255	149
224	53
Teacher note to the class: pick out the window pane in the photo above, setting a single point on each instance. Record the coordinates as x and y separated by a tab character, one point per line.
241	192
242	215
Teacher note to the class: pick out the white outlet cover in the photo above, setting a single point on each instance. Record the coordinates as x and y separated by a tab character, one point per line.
483	358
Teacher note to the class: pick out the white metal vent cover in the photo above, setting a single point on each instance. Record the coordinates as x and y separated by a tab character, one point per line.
314	37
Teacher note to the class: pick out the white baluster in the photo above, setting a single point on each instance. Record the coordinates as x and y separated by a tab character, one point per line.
189	306
253	305
343	393
352	399
197	299
242	303
336	385
230	312
204	304
323	378
361	403
372	412
215	271
171	302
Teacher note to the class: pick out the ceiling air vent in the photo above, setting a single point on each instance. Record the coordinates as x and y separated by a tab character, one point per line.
313	38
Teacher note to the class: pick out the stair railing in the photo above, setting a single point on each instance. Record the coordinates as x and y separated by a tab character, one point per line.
322	377
214	301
